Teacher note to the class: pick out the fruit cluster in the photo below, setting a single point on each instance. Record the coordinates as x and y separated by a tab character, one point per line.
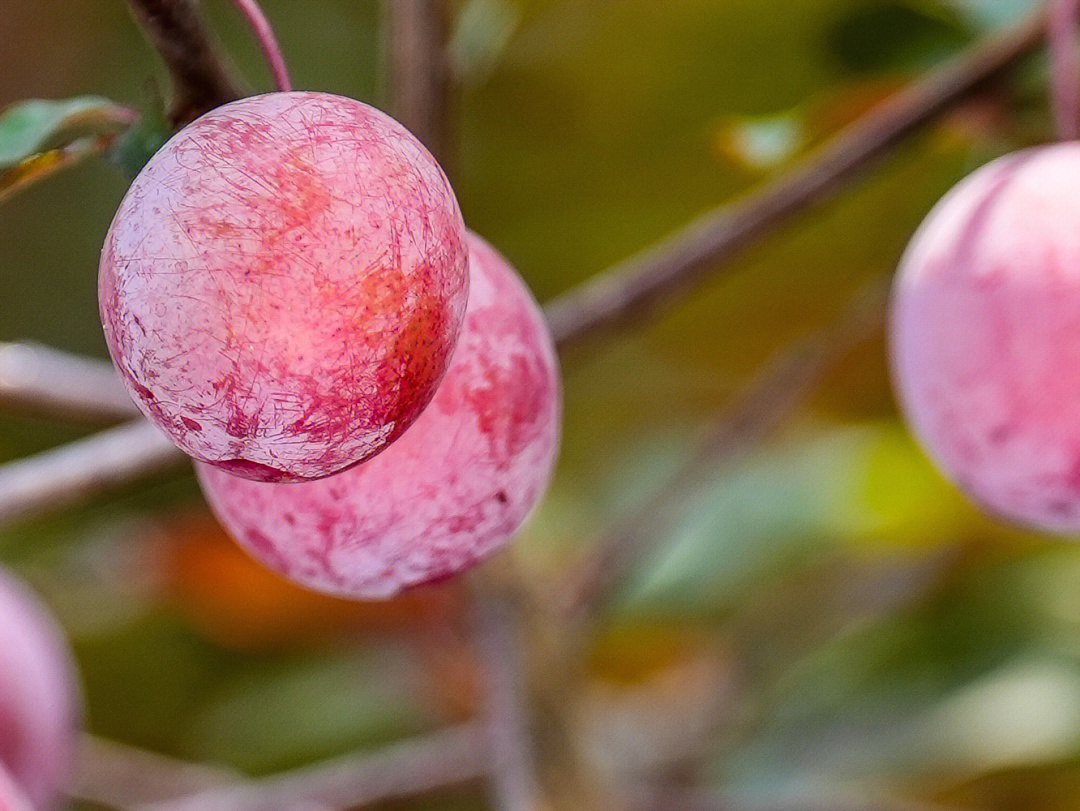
369	390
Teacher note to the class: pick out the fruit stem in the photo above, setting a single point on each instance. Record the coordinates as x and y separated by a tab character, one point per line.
264	33
1064	46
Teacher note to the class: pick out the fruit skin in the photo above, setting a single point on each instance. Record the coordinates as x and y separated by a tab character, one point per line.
12	797
985	336
40	697
453	489
284	283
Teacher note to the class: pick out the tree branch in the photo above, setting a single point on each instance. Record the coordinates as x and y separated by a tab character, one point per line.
419	68
70	474
635	285
119	776
40	380
512	772
201	78
450	757
760	409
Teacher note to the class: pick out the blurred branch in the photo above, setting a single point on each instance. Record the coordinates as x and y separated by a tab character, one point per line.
646	799
512	771
41	380
1064	41
759	410
73	473
441	759
419	68
201	78
635	285
119	776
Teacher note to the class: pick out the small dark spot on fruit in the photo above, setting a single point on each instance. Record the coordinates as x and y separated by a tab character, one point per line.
191	424
251	470
501	497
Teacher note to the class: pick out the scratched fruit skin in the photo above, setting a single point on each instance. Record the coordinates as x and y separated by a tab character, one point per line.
453	489
284	283
985	336
40	697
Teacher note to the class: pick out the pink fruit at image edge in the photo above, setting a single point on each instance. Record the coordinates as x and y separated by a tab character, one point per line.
40	698
453	489
985	336
284	283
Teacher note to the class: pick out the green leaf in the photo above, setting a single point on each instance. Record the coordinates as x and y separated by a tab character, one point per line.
138	144
32	128
847	487
483	29
896	36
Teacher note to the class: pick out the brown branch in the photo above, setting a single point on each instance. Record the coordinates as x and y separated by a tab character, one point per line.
759	410
80	470
656	275
44	381
419	69
443	759
512	772
201	78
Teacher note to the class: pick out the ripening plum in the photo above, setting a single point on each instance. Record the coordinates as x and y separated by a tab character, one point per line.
985	336
40	698
12	797
284	283
454	488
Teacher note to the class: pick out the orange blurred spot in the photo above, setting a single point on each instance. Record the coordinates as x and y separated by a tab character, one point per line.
236	602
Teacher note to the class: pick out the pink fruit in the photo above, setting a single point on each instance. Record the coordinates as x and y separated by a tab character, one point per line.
39	697
12	797
986	336
283	285
454	488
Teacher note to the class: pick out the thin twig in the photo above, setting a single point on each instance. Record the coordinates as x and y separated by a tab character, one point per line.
201	78
264	33
637	284
443	759
120	776
80	470
760	409
512	772
419	68
45	381
1064	42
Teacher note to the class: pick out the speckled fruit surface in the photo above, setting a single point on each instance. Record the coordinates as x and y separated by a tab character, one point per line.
40	698
283	285
985	336
454	488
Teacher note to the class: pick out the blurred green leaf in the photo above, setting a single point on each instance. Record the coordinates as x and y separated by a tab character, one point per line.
139	143
483	29
897	36
888	695
764	142
845	487
287	712
33	127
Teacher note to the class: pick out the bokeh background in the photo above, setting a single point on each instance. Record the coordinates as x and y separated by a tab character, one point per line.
826	620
